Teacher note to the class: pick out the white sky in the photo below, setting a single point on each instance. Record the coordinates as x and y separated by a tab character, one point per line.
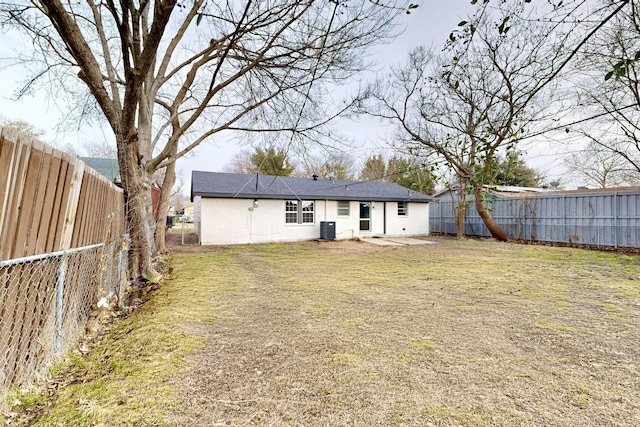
428	25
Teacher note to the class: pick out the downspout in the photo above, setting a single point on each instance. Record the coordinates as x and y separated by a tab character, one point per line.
326	202
384	218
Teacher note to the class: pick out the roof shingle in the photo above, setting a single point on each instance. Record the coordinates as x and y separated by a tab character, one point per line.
244	186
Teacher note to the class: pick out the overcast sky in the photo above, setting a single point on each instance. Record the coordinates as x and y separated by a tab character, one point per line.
428	25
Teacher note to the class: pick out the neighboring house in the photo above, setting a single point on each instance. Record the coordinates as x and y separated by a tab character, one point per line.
189	209
187	214
239	208
109	168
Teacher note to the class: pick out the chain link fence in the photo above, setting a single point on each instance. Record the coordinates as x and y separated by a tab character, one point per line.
46	301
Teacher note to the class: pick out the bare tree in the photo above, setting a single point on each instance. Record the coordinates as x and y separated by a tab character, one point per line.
599	166
166	84
483	96
241	163
24	127
100	149
32	131
609	97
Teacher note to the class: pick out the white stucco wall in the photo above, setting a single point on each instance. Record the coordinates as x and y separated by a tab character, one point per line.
237	221
416	222
197	217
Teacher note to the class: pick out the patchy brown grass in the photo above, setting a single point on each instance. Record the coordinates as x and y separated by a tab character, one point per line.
461	333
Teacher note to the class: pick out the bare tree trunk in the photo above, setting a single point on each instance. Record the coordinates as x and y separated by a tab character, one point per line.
163	205
138	201
144	153
460	211
459	207
496	231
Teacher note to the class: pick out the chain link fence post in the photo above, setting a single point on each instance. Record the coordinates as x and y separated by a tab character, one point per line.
59	302
47	302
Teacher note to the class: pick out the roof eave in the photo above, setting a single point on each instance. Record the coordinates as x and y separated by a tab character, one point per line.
210	195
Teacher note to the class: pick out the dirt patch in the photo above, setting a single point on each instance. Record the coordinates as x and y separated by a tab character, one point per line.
175	244
458	333
174	241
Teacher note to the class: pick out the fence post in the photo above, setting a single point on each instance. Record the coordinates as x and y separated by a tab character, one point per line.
615	219
121	278
564	219
59	302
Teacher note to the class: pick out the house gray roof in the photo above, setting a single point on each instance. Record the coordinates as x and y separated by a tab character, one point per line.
105	167
244	186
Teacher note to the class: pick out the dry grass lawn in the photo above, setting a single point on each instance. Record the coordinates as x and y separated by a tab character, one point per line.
460	333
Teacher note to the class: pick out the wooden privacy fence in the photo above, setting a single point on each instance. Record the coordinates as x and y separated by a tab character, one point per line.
50	201
61	250
596	218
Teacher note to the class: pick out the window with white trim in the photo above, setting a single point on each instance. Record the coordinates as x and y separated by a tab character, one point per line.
308	214
343	207
403	208
291	212
299	212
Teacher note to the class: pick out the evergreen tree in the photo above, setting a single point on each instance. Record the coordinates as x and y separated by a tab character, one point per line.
272	162
410	174
512	170
374	168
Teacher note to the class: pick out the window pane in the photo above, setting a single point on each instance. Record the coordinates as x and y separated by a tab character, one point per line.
291	218
365	210
343	208
291	212
402	208
307	212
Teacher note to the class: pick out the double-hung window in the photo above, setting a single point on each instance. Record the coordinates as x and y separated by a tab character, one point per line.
403	208
299	212
308	214
291	212
343	207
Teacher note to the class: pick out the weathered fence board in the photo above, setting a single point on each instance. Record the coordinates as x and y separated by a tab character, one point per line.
50	201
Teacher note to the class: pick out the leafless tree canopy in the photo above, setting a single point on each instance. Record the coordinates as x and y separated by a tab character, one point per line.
503	76
608	96
167	75
204	67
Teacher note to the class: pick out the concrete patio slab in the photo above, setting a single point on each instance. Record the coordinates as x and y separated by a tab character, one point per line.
380	242
409	241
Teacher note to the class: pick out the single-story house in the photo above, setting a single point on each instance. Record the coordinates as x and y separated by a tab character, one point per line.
235	208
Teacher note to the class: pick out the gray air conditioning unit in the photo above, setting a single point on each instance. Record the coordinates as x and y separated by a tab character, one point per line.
328	230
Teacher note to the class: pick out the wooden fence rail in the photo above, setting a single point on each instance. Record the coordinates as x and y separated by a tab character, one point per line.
51	201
